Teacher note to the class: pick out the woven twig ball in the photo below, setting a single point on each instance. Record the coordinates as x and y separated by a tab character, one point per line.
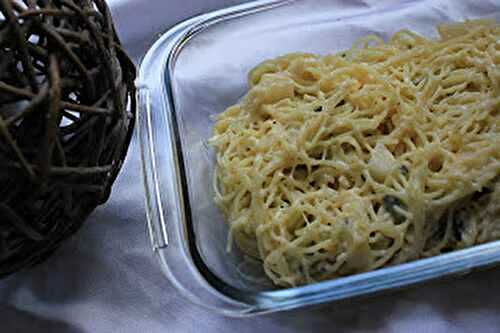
66	91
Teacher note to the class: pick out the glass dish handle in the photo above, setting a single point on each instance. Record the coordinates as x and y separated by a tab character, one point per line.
154	208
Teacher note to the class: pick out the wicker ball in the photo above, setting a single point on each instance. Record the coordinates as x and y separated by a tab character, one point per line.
66	88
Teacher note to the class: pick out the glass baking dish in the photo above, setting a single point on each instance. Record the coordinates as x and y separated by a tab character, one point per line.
199	68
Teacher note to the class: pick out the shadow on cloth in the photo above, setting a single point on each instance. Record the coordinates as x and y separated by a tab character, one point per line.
14	320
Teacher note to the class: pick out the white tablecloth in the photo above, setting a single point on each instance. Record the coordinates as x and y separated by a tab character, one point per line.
104	279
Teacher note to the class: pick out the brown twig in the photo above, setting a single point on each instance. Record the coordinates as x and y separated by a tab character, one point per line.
64	123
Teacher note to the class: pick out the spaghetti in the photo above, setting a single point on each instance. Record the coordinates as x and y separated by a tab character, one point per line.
382	154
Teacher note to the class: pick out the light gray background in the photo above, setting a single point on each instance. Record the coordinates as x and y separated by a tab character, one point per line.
104	279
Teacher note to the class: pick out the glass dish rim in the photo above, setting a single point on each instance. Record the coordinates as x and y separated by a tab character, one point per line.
170	45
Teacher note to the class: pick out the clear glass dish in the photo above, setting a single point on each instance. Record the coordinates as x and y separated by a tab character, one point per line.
199	68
